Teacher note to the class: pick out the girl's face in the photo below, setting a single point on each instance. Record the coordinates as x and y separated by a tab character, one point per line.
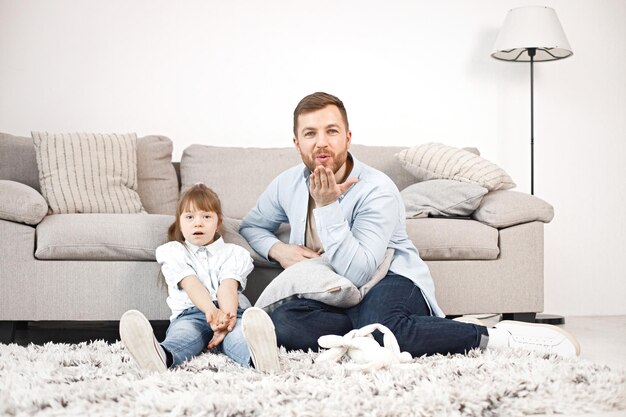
199	227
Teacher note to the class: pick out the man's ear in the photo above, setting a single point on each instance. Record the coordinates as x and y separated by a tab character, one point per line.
348	139
296	143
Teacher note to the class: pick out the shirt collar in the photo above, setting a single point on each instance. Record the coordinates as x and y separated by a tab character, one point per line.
212	248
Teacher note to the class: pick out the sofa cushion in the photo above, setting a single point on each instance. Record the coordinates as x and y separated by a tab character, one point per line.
446	198
507	208
157	184
435	160
21	203
237	175
104	237
240	175
88	173
383	158
18	161
230	233
453	239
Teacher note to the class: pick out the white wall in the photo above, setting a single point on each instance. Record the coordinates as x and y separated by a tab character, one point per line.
230	73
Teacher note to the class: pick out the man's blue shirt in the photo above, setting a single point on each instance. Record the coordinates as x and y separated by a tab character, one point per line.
355	231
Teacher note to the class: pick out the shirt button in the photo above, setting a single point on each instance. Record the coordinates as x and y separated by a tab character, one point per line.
301	220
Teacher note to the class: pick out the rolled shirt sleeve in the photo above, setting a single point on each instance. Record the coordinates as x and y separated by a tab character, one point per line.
355	250
262	221
237	266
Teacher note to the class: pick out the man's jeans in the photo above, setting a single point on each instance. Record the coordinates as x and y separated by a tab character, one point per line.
395	302
189	334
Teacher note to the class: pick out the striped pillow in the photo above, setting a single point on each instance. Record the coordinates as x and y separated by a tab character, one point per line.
436	161
88	173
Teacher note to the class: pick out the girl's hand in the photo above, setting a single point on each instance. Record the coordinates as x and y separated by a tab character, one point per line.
218	320
218	337
220	332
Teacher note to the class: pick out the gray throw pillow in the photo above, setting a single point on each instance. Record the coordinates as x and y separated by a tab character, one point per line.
507	208
21	203
446	198
315	279
17	160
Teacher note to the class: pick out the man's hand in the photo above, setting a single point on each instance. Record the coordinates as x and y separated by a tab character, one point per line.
324	188
287	254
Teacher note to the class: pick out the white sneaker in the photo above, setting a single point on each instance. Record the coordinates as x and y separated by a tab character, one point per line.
258	330
138	338
540	338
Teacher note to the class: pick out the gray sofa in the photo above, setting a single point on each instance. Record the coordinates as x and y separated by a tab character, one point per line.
93	267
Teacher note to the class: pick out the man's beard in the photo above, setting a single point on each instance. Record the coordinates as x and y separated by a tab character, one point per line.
336	163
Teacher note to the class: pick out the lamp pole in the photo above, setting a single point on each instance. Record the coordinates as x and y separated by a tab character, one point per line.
531	54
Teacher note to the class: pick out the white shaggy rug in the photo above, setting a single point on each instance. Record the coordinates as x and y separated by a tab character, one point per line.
99	379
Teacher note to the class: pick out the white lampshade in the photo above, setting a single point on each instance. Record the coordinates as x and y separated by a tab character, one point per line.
529	27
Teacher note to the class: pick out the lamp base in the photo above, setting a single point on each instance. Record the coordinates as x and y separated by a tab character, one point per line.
549	319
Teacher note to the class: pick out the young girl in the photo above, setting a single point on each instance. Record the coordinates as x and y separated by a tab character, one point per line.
204	277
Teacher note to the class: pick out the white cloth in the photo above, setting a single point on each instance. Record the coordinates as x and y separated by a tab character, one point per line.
364	351
212	264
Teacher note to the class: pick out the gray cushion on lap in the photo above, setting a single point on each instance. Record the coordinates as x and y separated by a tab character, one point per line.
315	279
445	198
21	203
103	237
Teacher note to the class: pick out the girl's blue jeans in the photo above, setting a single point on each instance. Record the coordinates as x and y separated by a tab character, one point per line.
189	334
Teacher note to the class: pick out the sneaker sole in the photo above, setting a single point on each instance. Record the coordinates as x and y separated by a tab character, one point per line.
141	345
258	330
565	333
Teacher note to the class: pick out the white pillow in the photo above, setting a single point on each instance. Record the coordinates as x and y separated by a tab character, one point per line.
438	161
88	173
315	279
446	198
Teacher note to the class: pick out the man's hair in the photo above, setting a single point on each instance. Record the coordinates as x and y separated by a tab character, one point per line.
317	101
199	197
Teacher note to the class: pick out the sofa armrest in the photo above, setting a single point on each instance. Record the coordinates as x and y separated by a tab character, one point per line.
21	203
506	208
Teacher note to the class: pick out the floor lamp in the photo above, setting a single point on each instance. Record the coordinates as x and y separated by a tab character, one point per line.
532	34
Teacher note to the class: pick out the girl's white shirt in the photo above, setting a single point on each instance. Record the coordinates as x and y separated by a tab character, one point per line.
212	264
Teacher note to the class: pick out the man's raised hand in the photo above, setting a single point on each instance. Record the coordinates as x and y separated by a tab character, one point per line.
324	188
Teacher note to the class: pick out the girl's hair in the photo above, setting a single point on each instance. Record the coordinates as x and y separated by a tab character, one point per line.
198	197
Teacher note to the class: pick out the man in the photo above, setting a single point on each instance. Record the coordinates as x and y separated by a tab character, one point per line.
353	213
